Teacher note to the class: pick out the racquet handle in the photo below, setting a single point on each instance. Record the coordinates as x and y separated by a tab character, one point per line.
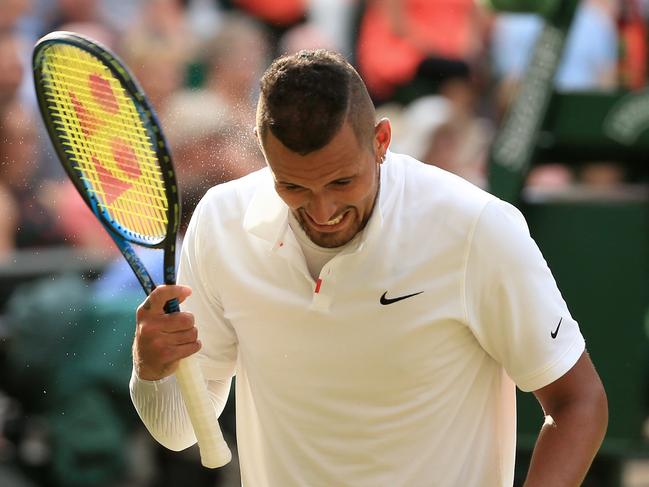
172	306
213	449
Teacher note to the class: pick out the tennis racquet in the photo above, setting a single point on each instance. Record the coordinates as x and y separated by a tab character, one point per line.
112	148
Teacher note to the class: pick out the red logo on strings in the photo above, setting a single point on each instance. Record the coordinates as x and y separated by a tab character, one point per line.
114	179
103	93
88	123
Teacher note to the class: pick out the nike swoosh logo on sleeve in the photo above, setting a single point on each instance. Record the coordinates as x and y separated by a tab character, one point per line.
554	333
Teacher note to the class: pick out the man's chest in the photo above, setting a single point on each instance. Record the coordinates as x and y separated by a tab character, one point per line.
366	325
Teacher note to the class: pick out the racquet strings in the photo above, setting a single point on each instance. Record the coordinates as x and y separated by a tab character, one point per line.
106	143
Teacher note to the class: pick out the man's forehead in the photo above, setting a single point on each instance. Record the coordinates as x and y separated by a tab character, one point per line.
344	135
342	159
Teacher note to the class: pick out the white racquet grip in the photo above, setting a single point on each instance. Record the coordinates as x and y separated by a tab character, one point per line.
213	449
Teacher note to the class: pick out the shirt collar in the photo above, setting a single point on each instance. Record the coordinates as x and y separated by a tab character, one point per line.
267	215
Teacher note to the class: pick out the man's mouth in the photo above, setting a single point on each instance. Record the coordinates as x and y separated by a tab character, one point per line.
328	226
336	220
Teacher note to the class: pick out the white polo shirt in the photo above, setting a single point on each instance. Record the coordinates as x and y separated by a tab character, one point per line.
397	366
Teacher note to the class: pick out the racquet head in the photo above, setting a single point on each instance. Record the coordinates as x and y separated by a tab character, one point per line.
111	145
107	137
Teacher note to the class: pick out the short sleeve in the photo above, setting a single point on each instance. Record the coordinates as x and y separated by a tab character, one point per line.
198	269
513	304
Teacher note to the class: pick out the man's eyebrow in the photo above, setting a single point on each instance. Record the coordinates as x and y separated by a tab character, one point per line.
343	177
282	181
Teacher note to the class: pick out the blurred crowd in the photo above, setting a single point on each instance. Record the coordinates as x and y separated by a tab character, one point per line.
443	71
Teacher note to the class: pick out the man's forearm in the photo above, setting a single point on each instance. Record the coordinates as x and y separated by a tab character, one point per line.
161	407
566	446
162	410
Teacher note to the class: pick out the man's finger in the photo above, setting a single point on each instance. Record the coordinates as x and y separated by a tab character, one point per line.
184	351
184	337
161	294
177	322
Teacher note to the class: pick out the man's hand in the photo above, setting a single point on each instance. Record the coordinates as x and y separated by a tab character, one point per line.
161	339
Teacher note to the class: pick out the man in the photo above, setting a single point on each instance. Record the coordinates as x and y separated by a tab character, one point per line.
373	309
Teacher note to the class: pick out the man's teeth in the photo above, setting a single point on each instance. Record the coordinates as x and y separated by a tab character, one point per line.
335	221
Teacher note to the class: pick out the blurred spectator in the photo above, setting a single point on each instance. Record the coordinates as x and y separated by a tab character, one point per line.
67	11
11	12
208	146
602	174
634	51
38	212
277	16
432	72
8	223
550	176
211	130
17	39
164	20
204	17
11	67
95	30
158	66
594	175
334	20
589	62
80	16
304	36
589	59
80	227
279	13
16	44
408	48
233	60
434	130
157	46
35	222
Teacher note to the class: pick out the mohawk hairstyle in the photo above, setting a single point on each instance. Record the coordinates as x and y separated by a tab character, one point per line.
306	97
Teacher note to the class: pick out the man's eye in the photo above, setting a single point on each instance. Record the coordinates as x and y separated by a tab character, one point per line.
291	187
342	182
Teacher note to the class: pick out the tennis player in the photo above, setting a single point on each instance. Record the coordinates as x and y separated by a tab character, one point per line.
377	312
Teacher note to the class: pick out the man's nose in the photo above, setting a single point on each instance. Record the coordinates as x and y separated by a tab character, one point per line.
321	209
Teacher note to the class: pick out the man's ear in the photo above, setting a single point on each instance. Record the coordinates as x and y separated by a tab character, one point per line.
258	139
382	137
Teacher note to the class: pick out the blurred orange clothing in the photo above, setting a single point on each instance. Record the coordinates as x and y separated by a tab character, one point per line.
277	12
431	28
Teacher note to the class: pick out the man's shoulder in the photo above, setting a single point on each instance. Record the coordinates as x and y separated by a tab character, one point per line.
239	190
226	204
428	186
